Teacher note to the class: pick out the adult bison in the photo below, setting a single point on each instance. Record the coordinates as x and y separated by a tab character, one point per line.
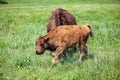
63	37
60	17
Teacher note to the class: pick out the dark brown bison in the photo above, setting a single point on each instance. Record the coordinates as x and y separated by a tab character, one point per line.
63	37
60	17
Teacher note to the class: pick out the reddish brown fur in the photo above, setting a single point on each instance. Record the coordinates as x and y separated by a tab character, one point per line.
63	37
60	17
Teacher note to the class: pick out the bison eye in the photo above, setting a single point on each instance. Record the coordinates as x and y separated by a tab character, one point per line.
42	45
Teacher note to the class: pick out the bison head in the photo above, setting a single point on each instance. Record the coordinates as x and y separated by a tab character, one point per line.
41	45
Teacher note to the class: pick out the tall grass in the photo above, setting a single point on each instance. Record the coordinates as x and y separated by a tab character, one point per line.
21	25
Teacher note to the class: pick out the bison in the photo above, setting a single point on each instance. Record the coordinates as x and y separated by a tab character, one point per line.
60	17
63	37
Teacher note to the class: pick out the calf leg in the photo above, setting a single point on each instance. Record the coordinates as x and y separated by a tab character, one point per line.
82	48
82	53
86	50
57	52
63	54
60	57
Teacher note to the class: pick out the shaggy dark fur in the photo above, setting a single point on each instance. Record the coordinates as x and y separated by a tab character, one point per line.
60	17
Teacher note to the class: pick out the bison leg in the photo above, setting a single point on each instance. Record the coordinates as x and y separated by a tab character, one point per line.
82	48
60	57
63	54
82	53
86	50
57	52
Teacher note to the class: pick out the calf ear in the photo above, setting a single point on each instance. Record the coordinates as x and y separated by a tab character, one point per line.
46	40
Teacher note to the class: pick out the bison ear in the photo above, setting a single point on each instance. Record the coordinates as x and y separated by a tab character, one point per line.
46	40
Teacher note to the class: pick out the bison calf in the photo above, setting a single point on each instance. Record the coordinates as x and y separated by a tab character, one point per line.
63	37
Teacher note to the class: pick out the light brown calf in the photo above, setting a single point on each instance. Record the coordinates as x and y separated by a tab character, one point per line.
63	37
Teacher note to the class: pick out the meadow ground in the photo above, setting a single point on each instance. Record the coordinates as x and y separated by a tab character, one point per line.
21	23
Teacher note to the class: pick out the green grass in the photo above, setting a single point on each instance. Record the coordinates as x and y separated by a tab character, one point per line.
21	23
48	2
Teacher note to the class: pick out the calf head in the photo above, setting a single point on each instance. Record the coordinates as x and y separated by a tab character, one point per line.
41	45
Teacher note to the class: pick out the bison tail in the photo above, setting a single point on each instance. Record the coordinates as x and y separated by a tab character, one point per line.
91	34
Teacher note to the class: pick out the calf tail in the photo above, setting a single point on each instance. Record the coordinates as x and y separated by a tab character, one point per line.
91	34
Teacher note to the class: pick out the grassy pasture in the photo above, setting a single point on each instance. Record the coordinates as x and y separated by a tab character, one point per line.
21	23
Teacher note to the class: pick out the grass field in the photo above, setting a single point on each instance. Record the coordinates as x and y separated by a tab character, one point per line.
22	21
